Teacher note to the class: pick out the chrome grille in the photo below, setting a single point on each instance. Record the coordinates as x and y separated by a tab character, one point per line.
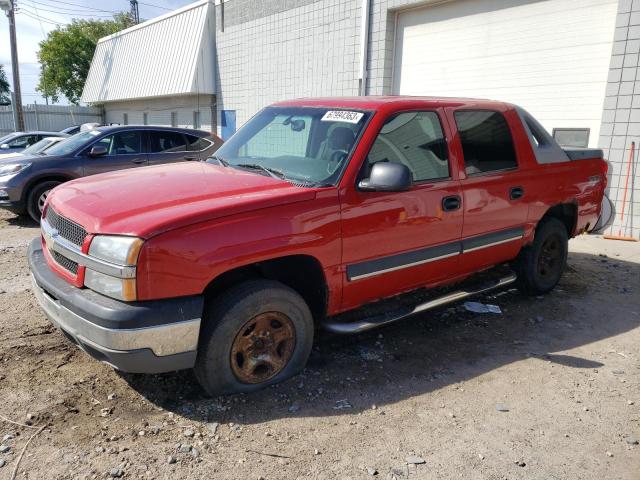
67	229
65	263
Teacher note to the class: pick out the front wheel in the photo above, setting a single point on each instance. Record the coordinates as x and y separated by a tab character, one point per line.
37	197
255	334
540	265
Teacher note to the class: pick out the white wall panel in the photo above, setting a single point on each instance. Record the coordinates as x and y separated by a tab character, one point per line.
551	57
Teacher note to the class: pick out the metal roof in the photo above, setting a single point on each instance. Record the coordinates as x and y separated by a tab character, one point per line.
168	55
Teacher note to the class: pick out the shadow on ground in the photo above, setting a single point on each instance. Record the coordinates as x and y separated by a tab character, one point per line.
429	351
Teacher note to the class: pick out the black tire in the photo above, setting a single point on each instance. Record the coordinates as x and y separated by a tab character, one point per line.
227	319
36	196
540	266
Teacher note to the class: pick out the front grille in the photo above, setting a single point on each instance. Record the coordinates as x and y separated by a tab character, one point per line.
65	263
67	229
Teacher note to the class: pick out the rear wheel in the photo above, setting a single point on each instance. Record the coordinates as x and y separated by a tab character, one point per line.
37	197
540	265
254	335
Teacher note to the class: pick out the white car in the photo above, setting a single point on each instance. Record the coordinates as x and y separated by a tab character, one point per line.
36	148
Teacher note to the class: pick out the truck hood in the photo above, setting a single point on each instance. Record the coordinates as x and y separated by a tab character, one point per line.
148	201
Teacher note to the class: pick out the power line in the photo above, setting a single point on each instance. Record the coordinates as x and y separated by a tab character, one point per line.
78	5
75	13
156	6
72	10
30	14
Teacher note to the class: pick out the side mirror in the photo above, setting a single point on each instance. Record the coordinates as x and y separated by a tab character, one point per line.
387	177
98	151
4	146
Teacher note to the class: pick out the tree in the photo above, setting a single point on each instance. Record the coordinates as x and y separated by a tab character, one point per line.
5	93
65	55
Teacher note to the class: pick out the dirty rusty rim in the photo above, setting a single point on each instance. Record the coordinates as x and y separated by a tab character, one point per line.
550	257
263	347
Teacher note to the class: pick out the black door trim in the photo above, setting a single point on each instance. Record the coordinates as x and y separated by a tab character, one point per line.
491	239
378	266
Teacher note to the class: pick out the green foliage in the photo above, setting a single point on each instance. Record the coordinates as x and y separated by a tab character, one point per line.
5	93
65	55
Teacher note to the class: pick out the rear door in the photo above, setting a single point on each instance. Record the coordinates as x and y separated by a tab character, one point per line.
167	146
125	149
494	187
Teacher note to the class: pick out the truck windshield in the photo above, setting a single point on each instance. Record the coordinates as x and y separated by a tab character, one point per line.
307	146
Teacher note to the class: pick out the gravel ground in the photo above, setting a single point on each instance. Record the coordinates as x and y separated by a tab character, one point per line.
549	389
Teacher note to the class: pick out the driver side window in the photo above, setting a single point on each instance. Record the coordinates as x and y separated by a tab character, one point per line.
416	140
122	143
23	142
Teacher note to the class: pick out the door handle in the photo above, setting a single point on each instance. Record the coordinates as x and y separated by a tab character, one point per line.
516	192
138	161
189	159
451	203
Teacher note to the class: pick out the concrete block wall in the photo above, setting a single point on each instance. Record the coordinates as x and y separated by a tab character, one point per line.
159	111
270	50
621	119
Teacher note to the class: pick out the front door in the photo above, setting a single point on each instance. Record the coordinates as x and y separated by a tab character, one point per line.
124	150
399	241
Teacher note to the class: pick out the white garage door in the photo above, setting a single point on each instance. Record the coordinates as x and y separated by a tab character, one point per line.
550	56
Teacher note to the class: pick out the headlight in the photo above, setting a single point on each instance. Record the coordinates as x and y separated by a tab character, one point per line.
120	288
116	250
13	168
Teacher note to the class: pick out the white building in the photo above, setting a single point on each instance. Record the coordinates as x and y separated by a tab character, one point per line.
160	72
213	64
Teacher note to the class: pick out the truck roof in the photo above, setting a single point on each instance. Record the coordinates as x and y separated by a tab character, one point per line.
376	102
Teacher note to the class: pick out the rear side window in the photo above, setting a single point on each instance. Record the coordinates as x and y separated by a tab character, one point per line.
197	144
486	141
165	142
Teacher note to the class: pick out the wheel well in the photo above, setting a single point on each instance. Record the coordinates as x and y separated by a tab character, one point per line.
38	181
567	213
302	273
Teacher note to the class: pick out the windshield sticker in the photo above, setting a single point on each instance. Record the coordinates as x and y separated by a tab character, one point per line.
342	116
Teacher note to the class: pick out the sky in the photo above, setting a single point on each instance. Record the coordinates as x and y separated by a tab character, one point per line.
35	18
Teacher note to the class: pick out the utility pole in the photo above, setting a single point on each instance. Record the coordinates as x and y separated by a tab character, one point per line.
9	7
135	15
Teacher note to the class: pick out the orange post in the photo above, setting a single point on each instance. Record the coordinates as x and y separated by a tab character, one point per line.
624	200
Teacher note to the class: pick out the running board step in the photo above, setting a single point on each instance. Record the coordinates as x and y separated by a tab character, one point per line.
385	319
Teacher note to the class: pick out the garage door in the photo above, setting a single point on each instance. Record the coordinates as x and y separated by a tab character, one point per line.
552	56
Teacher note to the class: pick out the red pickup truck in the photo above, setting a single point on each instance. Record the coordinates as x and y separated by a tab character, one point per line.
313	210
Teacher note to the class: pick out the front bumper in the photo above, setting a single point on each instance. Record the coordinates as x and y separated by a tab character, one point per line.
139	337
11	199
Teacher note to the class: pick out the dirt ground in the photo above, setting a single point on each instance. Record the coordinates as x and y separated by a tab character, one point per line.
549	389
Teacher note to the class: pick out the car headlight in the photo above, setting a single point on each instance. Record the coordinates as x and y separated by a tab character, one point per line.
13	168
117	251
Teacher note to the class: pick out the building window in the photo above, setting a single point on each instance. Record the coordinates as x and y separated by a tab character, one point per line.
196	119
571	137
174	119
125	119
486	141
145	118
